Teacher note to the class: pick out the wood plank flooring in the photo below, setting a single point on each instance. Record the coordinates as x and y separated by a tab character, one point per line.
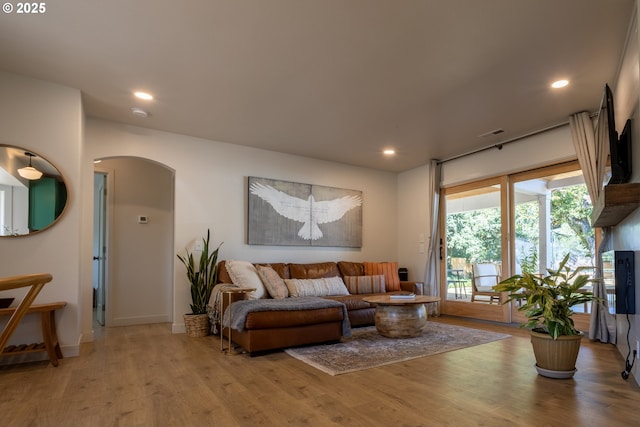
146	376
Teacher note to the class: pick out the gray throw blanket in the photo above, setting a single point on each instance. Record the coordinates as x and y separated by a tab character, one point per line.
240	309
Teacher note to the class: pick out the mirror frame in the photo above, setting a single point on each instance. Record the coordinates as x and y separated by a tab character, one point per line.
42	164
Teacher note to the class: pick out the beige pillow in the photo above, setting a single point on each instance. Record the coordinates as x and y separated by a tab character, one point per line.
245	275
316	287
273	282
365	284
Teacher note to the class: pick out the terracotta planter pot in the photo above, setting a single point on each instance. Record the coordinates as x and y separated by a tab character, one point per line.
555	358
197	325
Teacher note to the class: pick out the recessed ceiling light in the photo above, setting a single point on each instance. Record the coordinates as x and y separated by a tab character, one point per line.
389	152
559	83
139	112
143	95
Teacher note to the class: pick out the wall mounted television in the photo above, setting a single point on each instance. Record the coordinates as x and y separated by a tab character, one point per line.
619	146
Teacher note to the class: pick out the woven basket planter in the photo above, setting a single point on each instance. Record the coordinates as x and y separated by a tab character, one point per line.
197	325
557	358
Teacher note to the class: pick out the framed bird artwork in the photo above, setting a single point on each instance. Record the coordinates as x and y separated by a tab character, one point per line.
295	214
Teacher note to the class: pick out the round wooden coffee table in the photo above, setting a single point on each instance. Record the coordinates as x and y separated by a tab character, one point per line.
400	318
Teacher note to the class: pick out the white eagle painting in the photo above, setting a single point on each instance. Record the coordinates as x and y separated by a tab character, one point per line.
307	211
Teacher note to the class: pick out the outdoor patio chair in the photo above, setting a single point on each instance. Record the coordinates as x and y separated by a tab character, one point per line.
485	276
457	275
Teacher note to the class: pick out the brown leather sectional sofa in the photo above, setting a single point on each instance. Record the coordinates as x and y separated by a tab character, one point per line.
269	330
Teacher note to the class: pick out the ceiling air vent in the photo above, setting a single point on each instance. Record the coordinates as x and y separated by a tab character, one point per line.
491	133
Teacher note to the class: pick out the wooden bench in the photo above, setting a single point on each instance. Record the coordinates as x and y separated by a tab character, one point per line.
49	335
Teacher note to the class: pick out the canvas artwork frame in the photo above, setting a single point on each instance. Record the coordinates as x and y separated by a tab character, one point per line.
284	213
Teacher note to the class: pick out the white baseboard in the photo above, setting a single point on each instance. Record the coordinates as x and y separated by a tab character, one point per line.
178	328
87	336
139	320
70	350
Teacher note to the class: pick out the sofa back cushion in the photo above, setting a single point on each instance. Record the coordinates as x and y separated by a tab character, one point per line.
388	269
351	268
223	274
317	270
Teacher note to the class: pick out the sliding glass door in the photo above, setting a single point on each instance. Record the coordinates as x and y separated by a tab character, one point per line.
492	229
474	247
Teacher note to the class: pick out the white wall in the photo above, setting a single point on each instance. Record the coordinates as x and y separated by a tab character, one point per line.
210	192
47	119
414	211
626	235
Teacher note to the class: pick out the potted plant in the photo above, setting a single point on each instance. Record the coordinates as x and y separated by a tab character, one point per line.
202	277
546	302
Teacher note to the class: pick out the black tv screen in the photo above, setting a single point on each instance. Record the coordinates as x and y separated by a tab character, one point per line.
619	147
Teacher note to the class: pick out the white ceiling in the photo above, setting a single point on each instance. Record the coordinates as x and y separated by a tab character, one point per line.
338	80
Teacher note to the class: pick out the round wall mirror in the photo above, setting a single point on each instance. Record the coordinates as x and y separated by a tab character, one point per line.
33	194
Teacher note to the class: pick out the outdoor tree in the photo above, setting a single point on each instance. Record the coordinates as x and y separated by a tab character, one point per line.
474	235
571	210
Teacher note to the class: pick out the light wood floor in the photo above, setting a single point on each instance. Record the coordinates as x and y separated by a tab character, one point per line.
146	376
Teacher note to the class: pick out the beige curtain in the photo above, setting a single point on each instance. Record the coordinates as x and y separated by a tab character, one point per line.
592	150
432	272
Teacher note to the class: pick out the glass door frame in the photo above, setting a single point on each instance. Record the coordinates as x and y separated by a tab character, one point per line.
484	311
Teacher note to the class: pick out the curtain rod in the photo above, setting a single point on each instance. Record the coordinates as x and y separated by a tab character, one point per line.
501	144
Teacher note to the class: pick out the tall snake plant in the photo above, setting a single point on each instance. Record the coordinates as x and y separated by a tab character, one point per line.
202	276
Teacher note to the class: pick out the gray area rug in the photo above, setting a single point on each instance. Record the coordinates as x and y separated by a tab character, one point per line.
367	349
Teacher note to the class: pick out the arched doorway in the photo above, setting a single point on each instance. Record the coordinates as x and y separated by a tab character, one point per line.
138	241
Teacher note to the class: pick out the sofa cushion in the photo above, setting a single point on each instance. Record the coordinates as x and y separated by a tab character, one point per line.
314	271
353	302
245	275
316	287
287	319
351	268
273	282
388	269
223	274
365	284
